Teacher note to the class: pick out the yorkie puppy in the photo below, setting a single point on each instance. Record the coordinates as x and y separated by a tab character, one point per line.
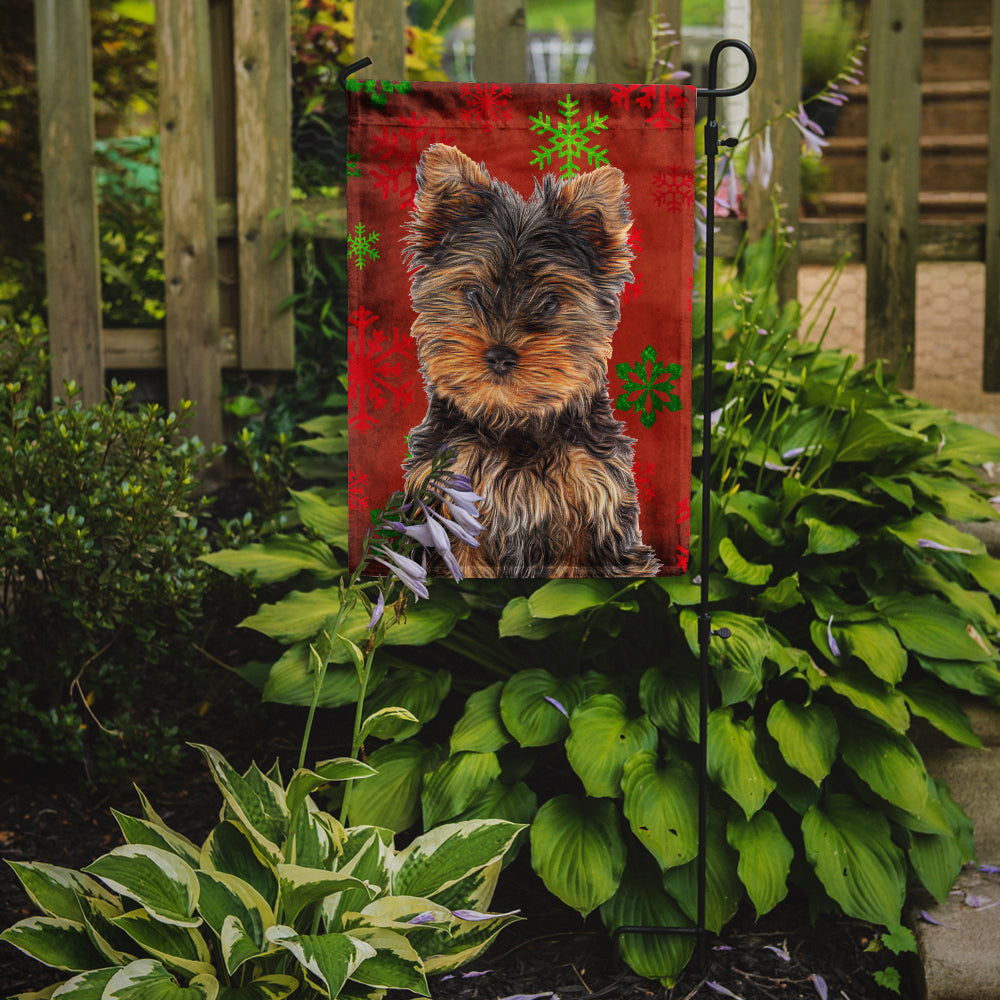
517	303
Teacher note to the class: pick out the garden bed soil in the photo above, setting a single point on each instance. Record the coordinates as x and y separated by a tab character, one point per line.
62	822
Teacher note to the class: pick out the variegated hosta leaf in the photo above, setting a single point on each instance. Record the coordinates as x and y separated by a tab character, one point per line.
850	847
329	959
87	986
54	941
141	831
661	799
602	737
765	858
466	941
367	853
457	784
535	706
177	947
300	887
230	849
723	889
315	838
116	947
578	851
304	782
395	964
56	891
642	902
732	760
807	736
481	727
225	897
441	857
147	979
158	880
274	987
256	801
476	890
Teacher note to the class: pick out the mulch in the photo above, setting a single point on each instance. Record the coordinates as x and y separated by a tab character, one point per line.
551	953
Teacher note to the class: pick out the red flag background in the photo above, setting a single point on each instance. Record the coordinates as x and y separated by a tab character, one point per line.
520	132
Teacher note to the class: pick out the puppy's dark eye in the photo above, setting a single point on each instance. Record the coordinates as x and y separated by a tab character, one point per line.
546	308
473	296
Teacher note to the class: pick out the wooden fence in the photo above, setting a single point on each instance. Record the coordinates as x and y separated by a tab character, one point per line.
226	160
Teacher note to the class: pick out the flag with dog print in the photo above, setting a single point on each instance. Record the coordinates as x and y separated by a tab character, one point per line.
520	269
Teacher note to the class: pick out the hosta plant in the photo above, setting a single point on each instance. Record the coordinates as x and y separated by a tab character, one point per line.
279	900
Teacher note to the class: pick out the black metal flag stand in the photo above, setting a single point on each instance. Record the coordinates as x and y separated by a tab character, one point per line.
705	631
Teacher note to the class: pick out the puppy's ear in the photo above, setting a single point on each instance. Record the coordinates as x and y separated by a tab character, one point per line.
450	189
596	205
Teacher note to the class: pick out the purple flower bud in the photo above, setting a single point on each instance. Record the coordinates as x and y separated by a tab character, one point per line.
476	915
820	983
427	917
552	701
377	611
834	648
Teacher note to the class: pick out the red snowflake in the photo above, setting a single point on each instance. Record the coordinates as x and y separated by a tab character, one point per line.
635	241
683	555
376	369
673	188
632	290
357	491
643	473
683	510
648	94
486	103
397	151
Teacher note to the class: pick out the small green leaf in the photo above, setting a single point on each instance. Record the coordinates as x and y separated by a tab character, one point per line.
828	539
765	858
481	727
732	760
279	558
559	598
807	736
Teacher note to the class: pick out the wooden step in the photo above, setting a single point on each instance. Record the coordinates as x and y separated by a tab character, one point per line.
957	206
947	162
944	104
956	53
940	13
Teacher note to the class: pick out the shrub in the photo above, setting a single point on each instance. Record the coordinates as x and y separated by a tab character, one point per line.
280	899
854	604
99	539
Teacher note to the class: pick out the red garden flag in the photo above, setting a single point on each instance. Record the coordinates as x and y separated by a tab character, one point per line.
520	275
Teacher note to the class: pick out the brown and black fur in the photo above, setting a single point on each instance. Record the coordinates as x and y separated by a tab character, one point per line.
517	303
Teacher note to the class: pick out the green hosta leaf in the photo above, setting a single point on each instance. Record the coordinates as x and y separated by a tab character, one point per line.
304	782
327	520
177	947
481	728
723	889
387	723
976	678
147	979
986	571
391	798
758	511
671	699
864	691
941	709
528	714
828	539
738	661
230	849
516	803
517	620
765	858
438	859
159	881
275	987
888	763
937	859
641	901
559	598
957	501
931	628
395	964
279	558
330	959
738	569
291	680
54	941
975	605
732	760
260	806
850	848
456	784
141	831
661	798
602	738
56	891
876	646
928	528
807	736
965	443
301	887
415	689
870	436
893	488
783	595
578	851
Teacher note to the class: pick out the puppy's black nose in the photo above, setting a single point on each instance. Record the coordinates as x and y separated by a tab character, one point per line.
500	360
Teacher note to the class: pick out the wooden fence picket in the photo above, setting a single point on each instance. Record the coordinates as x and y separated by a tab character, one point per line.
991	332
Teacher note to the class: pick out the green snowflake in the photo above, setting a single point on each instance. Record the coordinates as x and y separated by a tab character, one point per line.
650	390
378	91
353	165
361	245
569	139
